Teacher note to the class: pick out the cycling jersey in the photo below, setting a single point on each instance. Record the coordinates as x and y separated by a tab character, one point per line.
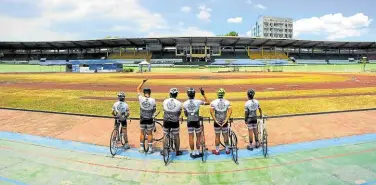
192	108
121	108
251	107
172	110
220	108
147	107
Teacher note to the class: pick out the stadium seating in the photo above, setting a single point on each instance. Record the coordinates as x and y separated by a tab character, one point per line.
267	55
131	55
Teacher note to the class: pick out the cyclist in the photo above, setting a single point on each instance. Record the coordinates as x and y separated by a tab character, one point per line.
147	110
250	118
221	111
192	112
120	110
172	110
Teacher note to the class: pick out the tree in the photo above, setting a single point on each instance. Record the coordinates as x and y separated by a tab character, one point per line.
232	33
109	37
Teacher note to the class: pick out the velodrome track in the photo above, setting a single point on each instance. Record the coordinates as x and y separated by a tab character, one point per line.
43	148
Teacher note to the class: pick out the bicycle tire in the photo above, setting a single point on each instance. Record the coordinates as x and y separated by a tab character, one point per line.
146	143
203	157
158	132
234	147
265	143
113	142
166	149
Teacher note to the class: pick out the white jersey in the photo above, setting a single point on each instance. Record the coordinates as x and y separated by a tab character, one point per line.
147	107
192	108
172	110
121	108
251	107
220	108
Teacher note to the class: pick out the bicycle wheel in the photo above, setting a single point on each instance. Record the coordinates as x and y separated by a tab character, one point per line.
146	143
158	132
203	146
265	143
234	146
166	149
113	142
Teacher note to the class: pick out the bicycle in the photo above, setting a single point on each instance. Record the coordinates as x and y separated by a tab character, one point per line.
233	141
168	145
202	141
116	136
157	135
263	135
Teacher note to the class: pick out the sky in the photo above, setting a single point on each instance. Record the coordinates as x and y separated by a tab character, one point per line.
52	20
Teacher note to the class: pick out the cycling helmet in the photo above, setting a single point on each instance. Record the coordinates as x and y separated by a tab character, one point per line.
191	93
221	93
174	92
121	96
251	93
147	91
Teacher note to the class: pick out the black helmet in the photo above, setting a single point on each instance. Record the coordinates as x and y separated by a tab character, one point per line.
191	92
251	93
121	96
174	92
147	91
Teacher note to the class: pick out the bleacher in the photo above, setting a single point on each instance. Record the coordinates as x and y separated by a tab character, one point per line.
254	55
131	55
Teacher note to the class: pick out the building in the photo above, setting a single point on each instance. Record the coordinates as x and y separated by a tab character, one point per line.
273	27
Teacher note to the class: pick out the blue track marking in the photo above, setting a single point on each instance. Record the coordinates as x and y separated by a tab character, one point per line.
11	181
133	153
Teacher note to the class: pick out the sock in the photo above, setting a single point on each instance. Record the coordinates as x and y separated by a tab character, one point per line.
193	152
217	148
150	145
196	152
141	144
226	148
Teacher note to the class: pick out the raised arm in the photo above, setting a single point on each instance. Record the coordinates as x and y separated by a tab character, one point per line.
140	86
206	101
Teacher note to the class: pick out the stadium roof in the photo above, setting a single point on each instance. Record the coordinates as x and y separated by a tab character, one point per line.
173	41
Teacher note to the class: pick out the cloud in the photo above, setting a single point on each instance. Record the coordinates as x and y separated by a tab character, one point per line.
248	2
181	23
204	13
116	13
18	29
333	26
185	9
235	20
260	6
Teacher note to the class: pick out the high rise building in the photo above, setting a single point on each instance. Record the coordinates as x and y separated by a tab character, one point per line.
273	27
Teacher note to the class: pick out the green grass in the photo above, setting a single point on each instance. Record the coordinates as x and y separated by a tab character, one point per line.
7	68
69	101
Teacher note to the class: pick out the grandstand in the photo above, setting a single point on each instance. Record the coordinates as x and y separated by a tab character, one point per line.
189	50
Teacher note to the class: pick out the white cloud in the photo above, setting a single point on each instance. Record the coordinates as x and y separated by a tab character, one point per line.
180	32
333	26
181	23
128	12
185	9
235	20
204	13
248	2
260	6
17	29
